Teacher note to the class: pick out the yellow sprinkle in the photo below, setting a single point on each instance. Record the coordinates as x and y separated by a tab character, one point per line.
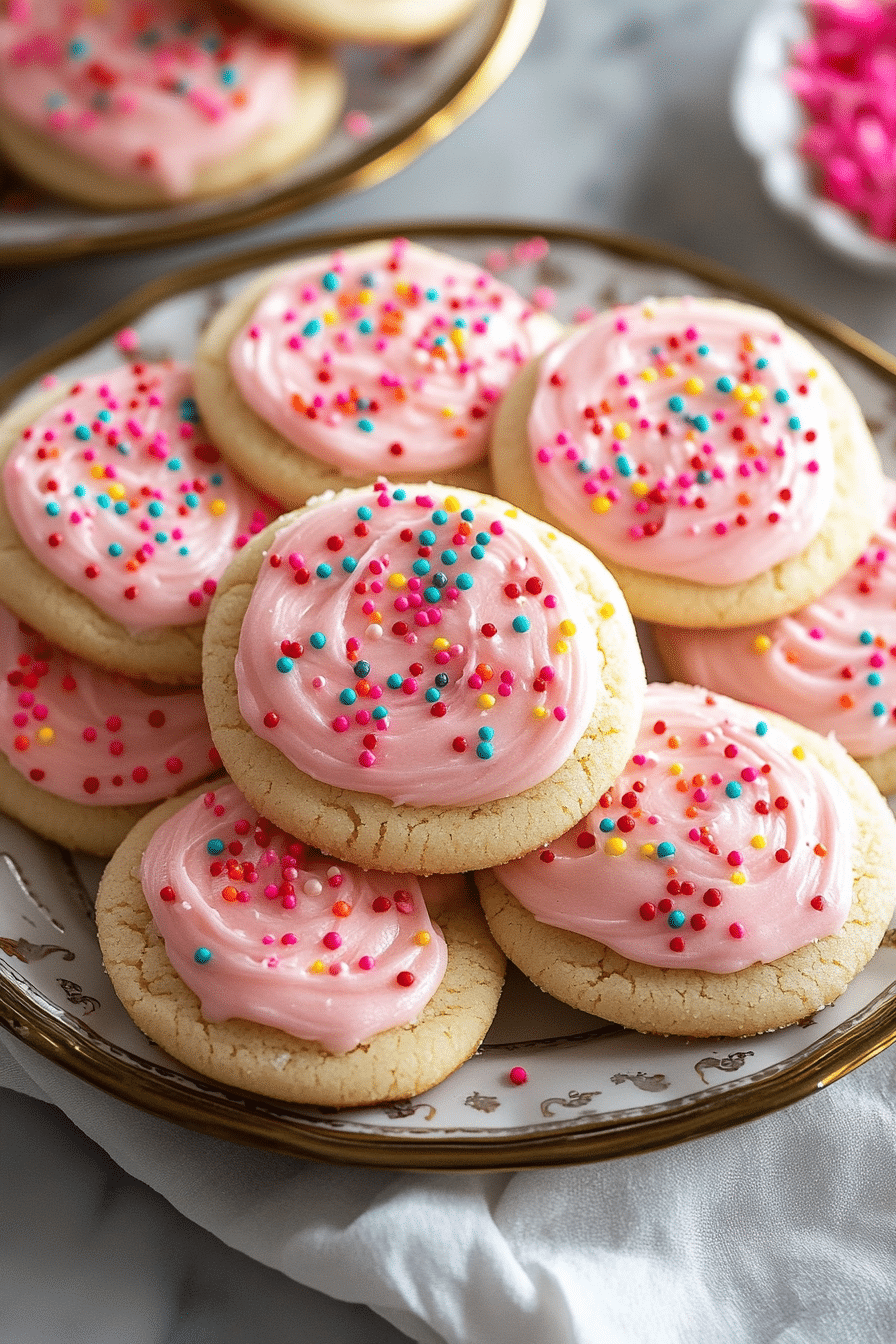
762	643
607	610
452	504
511	513
622	430
670	370
751	408
330	318
561	646
539	712
422	939
457	339
813	373
649	375
567	627
694	385
600	504
440	644
365	296
615	846
648	851
97	471
639	488
648	311
738	878
401	287
447	412
376	618
217	507
115	491
675	768
799	753
317	968
45	734
486	701
397	581
741	393
758	842
758	393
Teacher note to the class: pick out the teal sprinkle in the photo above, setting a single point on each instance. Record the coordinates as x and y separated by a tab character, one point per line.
485	751
866	637
427	537
874	679
782	395
77	48
399	494
368	280
733	789
80	491
449	557
521	624
192	500
52	508
126	452
793	422
702	349
431	594
432	295
183	550
486	734
122	507
704	477
161	538
877	709
725	384
361	668
189	410
217	479
365	326
347	697
459	322
665	849
155	509
173	464
366	425
421	567
104	501
432	695
440	517
761	728
762	363
623	466
483	538
349	564
464	581
700	422
115	549
330	281
105	416
477	552
393	681
317	640
311	328
202	956
82	432
607	824
583	466
365	514
54	100
468	515
215	846
440	340
324	570
228	75
675	404
380	712
676	919
284	664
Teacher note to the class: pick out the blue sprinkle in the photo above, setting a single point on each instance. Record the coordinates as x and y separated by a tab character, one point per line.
704	477
52	508
676	919
733	789
215	846
665	849
284	664
700	422
421	566
349	564
365	326
77	48
793	422
702	349
217	479
431	594
80	491
877	709
105	416
189	410
675	404
399	493
347	697
782	395
324	570
427	537
393	680
365	514
725	384
311	328
202	956
432	295
866	637
762	363
464	581
483	538
122	506
486	734
521	624
161	537
468	515
448	557
104	501
330	281
317	640
583	466
192	500
82	432
440	517
366	425
126	452
607	824
155	509
459	322
183	550
761	728
361	668
432	695
228	75
623	466
874	679
380	712
485	751
115	549
174	464
477	552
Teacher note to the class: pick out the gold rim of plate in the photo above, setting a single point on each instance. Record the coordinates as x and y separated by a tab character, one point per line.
230	1113
505	43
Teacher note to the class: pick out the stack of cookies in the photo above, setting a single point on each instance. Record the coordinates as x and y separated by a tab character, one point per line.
409	683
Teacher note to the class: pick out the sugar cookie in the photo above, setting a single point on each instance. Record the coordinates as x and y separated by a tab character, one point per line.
405	22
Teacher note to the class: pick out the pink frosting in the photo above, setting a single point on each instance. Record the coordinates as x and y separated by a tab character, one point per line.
146	91
723	843
421	646
684	438
117	491
93	737
384	358
263	928
829	666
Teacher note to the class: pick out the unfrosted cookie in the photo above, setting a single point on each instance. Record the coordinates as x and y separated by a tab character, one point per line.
267	966
85	753
117	518
710	456
405	22
416	679
125	105
734	880
828	665
388	357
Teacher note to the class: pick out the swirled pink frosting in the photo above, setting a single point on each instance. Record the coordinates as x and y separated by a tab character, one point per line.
263	928
417	644
93	737
118	492
385	358
723	843
829	665
146	91
685	437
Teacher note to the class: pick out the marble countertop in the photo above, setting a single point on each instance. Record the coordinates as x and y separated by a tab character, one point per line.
616	117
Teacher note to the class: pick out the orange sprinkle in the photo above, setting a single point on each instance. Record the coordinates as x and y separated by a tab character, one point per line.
821	850
682	785
846	702
690	811
792	657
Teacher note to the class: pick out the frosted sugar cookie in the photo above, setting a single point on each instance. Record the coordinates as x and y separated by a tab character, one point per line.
415	679
85	753
383	358
117	518
828	665
733	880
122	104
713	459
406	22
268	966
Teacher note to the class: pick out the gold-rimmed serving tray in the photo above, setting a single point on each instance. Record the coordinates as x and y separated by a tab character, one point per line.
403	99
594	1091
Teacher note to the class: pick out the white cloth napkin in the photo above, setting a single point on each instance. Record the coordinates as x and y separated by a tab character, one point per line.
782	1230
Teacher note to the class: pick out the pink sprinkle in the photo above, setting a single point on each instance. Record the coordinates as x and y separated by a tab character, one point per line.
357	124
736	930
341	724
367	759
127	340
560	713
288	939
332	940
815	633
366	963
543	297
518	1076
267	939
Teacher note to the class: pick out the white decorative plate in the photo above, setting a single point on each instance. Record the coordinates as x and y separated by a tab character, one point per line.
594	1090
